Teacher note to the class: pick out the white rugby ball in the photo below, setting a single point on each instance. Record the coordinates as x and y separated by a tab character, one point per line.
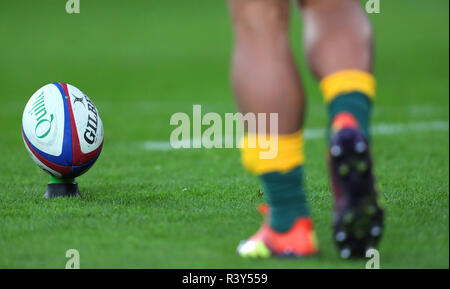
62	130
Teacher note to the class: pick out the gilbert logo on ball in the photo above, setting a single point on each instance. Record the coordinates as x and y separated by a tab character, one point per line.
62	130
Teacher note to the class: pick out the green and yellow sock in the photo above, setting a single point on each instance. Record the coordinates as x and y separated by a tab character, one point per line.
281	176
352	92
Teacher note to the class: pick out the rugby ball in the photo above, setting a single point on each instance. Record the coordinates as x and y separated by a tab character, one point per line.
62	130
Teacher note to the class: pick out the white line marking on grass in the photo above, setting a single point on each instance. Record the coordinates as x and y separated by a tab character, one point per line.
319	133
389	129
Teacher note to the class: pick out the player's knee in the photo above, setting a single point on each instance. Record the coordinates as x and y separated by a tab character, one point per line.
337	20
326	5
262	19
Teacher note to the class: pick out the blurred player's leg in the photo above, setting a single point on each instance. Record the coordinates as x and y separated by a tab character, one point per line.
339	43
266	80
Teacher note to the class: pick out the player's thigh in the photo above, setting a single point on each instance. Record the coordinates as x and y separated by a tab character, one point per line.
260	15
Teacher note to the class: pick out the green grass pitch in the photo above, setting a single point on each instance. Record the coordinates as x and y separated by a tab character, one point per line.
142	61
